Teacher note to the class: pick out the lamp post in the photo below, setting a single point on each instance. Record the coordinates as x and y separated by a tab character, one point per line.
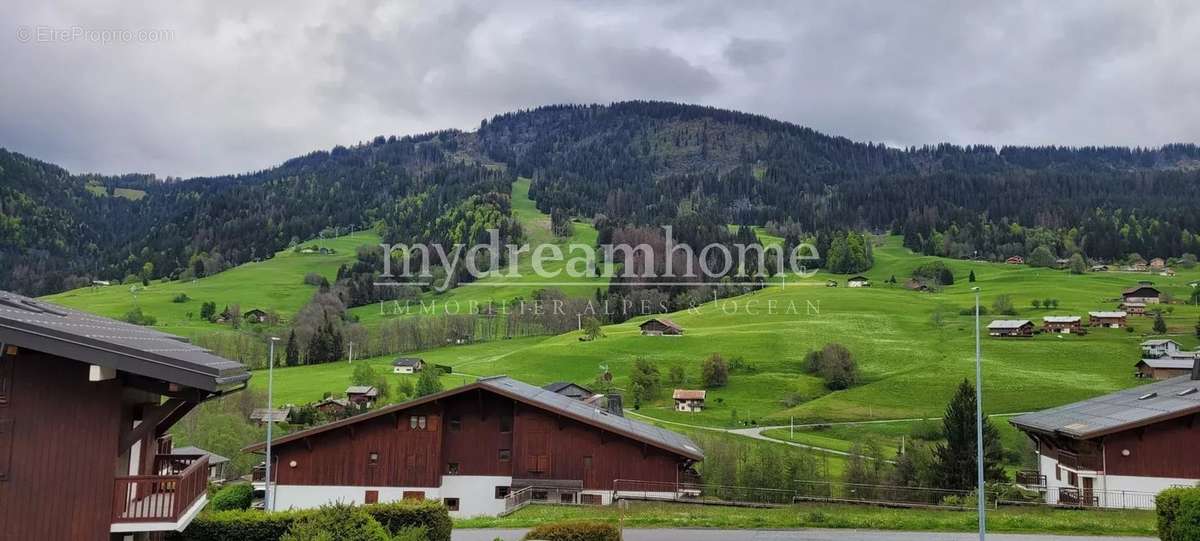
980	493
268	501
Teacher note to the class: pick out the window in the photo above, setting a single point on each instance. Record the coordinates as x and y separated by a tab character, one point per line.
372	496
587	462
452	468
1057	472
372	458
411	495
502	492
505	455
451	503
539	495
417	422
455	424
590	499
566	497
506	423
537	463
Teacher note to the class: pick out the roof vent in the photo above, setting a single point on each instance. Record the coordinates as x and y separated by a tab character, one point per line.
1147	396
1186	392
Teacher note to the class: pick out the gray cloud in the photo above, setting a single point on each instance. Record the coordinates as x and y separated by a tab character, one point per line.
239	86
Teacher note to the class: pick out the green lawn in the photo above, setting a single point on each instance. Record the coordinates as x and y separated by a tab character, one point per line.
667	515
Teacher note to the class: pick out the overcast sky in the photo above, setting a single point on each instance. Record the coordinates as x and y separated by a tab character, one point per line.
235	86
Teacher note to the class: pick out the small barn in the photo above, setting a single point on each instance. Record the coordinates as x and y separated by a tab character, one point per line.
363	395
262	416
216	463
1158	263
333	407
1141	293
407	365
1166	367
1010	328
1112	320
1134	308
1015	260
255	316
570	389
660	327
689	400
858	281
1062	324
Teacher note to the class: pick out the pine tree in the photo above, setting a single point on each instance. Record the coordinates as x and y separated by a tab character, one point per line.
955	458
971	277
1160	326
292	355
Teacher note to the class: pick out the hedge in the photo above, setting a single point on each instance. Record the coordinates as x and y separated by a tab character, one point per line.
232	497
253	525
1178	514
575	531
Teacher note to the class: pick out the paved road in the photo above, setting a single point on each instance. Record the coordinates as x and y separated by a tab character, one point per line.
674	534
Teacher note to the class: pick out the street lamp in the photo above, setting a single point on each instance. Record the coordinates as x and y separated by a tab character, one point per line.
268	501
980	493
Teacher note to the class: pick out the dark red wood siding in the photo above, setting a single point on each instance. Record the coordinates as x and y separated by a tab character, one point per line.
1166	449
63	451
475	446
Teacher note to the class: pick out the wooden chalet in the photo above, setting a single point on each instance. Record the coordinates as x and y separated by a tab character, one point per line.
1134	308
482	449
216	463
858	281
660	327
1112	320
1166	366
85	406
1015	260
689	400
1141	293
1158	263
255	316
1062	324
262	416
1160	347
333	407
407	365
1010	328
362	395
1118	450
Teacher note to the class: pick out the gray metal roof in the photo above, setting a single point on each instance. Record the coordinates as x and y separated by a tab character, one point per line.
1159	342
87	338
1108	314
1170	362
213	458
1061	319
362	389
408	361
622	425
1009	323
1122	410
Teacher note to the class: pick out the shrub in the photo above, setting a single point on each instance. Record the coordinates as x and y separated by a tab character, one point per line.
936	272
232	497
1003	305
835	364
136	317
315	279
1178	512
714	371
430	515
181	298
575	531
337	522
252	525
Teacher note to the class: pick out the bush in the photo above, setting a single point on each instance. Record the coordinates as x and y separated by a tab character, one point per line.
136	317
935	272
714	372
575	531
337	522
1178	512
315	279
252	525
181	298
430	515
835	364
232	497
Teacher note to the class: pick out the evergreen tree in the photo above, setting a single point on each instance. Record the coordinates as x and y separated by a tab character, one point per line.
1077	265
429	382
971	277
955	458
1160	326
292	353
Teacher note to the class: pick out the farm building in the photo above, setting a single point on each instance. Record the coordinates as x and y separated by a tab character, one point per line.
1007	328
363	395
1112	320
261	415
255	316
216	463
858	281
1159	347
1015	260
660	327
1158	263
689	401
99	465
482	449
407	365
1099	268
1134	308
1120	449
333	406
1062	324
1167	366
1143	294
569	389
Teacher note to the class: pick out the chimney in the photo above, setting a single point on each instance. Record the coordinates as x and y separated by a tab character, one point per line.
1196	368
613	405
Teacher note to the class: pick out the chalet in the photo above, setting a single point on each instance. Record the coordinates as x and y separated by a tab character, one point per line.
660	327
1099	268
407	365
1167	366
216	463
569	389
1112	320
1158	263
1015	260
255	316
85	406
1007	328
1159	347
1120	449
858	281
1141	293
482	449
262	416
1062	324
1137	267
689	401
1134	308
362	395
334	407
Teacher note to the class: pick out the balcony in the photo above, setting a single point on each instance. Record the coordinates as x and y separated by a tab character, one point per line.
1031	479
167	500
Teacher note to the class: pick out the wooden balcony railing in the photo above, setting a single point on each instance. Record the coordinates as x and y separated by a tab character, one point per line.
1031	479
182	480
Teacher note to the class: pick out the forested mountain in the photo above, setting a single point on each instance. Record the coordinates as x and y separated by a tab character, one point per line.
624	165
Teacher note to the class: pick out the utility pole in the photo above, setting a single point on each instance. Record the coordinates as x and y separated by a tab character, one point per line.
268	500
980	493
351	353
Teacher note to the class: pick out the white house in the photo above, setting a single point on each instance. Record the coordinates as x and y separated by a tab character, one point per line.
1159	347
407	365
689	400
858	281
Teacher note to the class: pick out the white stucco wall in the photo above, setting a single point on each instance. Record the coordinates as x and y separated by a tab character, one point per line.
476	494
1109	487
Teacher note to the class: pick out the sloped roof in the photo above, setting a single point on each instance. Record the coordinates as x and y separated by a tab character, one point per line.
686	394
558	386
1009	323
1137	288
362	389
408	361
534	396
1116	412
1108	314
859	278
213	458
276	415
664	321
1061	319
1159	342
1178	363
87	338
